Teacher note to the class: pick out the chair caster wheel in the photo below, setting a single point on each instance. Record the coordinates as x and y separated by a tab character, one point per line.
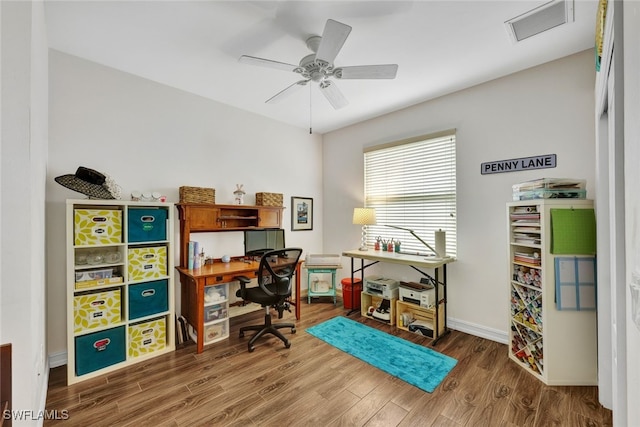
241	334
251	348
293	330
287	344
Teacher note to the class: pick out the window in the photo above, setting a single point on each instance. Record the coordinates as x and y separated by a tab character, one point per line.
412	184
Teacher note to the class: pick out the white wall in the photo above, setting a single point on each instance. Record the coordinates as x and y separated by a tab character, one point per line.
631	28
22	178
151	137
544	110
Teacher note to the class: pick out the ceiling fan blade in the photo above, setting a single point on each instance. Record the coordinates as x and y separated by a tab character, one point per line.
333	38
385	71
286	92
333	94
245	59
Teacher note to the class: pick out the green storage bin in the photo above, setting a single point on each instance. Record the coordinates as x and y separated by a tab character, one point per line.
148	298
99	350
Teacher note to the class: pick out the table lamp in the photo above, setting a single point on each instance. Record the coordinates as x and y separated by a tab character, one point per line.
364	217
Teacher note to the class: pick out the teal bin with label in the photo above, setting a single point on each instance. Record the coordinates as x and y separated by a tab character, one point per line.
99	350
148	298
146	224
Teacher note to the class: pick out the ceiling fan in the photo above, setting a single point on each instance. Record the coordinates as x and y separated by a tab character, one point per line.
318	67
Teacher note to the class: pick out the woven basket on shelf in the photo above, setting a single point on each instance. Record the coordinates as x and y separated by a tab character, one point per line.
268	199
197	195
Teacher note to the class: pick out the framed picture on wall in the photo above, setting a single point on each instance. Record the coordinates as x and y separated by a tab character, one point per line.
301	213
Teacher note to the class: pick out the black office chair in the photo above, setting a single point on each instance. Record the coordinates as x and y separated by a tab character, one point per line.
274	287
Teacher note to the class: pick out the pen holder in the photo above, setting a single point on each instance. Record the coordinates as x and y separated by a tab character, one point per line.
397	246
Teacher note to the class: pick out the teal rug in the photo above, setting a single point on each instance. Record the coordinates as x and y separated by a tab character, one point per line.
419	366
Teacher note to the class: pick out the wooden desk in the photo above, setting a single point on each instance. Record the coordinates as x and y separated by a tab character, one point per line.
194	281
414	261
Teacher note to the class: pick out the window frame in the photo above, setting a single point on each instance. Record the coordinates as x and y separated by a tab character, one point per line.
406	201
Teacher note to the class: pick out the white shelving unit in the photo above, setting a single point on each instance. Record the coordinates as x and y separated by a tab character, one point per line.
559	347
120	286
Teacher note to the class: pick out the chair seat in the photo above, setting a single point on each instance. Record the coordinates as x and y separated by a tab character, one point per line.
257	295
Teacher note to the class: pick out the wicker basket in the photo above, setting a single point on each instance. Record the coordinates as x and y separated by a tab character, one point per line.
197	195
268	199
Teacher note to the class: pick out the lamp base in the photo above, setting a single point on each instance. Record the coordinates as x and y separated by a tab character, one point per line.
363	248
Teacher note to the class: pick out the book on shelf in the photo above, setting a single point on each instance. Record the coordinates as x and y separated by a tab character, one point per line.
526	257
528	216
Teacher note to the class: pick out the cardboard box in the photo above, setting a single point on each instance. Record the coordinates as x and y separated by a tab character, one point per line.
88	284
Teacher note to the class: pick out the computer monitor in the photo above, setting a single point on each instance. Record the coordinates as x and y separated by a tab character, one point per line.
257	242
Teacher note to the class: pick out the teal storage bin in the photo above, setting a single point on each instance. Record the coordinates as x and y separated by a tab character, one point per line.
147	224
99	350
148	298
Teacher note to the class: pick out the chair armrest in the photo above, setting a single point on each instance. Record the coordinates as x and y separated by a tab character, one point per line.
244	280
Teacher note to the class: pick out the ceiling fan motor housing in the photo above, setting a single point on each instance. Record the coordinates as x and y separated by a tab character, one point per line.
314	70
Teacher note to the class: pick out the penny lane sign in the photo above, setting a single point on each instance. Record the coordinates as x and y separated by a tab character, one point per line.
524	163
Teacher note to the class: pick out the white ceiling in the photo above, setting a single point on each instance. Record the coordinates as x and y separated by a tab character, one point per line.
440	47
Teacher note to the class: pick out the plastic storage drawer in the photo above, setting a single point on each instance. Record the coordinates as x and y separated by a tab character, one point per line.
147	225
99	350
148	298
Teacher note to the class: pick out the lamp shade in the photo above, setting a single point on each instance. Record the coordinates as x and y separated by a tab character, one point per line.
364	216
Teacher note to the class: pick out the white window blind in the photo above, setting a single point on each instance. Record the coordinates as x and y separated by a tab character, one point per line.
412	184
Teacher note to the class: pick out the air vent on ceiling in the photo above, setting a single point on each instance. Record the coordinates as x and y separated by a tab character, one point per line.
540	19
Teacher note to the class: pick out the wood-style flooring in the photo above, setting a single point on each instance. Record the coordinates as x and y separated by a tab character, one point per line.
314	384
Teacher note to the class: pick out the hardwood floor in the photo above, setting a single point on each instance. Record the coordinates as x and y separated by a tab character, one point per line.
314	384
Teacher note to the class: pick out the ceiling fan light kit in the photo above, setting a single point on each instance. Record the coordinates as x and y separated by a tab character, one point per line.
318	67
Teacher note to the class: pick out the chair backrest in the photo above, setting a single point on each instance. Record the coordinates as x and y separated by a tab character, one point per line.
276	269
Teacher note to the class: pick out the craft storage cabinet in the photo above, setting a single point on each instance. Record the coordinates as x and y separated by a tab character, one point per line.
557	346
120	305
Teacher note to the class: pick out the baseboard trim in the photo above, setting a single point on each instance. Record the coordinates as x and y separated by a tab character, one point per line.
57	359
478	330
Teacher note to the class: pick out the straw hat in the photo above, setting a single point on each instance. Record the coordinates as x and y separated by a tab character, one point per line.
90	183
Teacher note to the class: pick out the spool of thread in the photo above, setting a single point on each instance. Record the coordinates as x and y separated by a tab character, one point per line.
441	243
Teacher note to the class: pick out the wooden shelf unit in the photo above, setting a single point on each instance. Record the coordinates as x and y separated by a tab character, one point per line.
197	218
418	313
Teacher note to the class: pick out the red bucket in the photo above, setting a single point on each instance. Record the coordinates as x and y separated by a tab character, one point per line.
347	289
